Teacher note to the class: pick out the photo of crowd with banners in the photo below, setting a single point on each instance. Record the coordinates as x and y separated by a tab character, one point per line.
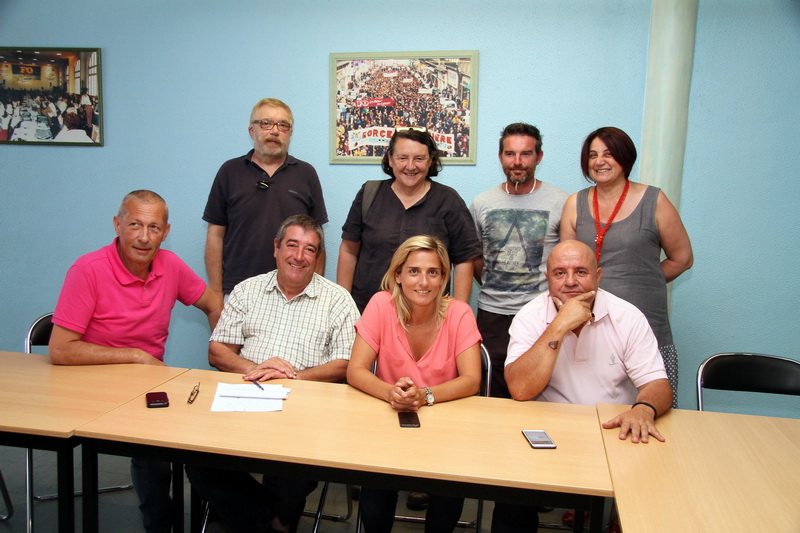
50	96
374	93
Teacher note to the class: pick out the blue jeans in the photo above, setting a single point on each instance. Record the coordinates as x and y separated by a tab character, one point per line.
152	481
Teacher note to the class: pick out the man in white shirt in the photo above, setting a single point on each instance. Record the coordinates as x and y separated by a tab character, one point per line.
580	344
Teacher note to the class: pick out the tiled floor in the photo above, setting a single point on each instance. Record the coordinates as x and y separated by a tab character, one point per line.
119	512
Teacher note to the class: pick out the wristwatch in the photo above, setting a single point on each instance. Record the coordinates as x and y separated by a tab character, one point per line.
429	396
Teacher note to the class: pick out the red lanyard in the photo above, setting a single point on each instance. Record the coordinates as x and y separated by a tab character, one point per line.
600	233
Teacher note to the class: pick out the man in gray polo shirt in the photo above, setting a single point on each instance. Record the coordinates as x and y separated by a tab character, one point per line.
517	223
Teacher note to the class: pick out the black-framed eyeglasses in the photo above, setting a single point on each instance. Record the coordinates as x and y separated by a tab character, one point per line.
263	185
267	125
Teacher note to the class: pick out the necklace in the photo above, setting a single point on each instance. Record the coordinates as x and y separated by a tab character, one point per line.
408	324
533	189
600	232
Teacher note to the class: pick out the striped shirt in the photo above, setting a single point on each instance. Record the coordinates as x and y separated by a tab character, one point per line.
313	328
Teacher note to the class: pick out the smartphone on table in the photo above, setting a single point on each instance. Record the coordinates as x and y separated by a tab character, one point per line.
538	438
157	399
408	419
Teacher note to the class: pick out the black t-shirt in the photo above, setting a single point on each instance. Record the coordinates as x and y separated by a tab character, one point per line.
441	213
252	216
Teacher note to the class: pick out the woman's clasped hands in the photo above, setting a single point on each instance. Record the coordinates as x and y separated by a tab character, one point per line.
405	396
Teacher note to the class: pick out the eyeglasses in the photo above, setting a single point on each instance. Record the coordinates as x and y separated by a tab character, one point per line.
263	185
194	393
411	128
267	125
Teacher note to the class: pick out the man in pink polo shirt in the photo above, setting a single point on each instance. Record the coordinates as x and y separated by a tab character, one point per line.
580	344
115	304
115	307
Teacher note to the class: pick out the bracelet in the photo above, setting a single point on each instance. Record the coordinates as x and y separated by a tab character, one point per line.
655	411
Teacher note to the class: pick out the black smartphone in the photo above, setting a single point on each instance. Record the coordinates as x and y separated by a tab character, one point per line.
408	419
157	399
538	438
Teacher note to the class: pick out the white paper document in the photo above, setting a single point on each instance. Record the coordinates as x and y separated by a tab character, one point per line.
248	397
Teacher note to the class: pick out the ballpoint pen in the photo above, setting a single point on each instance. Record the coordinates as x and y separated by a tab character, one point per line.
257	384
194	393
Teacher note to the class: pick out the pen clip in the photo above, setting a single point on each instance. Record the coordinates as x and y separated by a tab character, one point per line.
194	393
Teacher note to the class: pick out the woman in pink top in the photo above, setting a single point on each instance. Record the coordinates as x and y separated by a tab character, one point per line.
427	351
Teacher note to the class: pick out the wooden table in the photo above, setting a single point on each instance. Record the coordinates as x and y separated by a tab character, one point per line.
42	404
472	447
715	472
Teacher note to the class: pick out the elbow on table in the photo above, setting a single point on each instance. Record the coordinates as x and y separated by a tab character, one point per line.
57	359
354	375
520	396
521	392
58	355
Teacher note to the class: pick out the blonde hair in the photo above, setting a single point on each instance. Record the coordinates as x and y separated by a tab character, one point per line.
418	243
271	102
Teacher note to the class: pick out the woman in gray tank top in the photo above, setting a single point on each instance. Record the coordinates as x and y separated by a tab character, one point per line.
628	224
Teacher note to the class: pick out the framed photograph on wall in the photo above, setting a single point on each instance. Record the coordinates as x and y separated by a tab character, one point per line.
51	96
374	93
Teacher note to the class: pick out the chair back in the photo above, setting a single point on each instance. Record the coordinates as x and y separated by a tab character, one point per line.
486	365
39	332
748	372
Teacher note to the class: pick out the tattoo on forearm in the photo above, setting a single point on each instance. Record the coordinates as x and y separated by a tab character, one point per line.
553	345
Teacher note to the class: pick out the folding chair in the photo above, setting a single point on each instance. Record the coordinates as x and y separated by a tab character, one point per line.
39	335
748	372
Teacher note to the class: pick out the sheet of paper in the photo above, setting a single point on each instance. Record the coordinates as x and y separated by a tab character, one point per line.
249	390
249	398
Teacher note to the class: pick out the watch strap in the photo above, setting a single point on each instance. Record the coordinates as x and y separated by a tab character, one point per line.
429	396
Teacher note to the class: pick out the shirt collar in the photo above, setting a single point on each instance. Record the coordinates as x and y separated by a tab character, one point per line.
311	290
248	158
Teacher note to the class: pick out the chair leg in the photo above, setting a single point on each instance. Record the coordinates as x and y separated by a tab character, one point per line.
327	516
320	505
479	517
358	517
6	499
78	493
29	489
204	522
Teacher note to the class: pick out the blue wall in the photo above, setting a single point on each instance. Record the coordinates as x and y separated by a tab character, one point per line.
180	77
